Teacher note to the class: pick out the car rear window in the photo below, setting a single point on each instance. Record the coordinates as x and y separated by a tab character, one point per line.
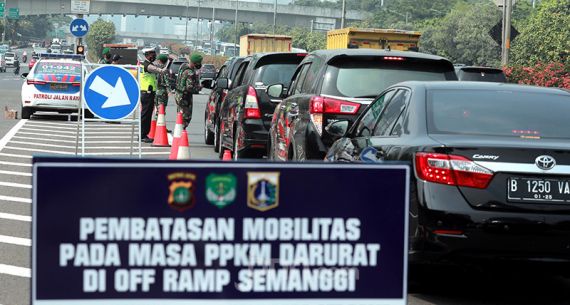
209	68
57	68
275	74
498	113
367	77
495	76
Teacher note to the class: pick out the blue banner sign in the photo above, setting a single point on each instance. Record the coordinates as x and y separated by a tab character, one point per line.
136	232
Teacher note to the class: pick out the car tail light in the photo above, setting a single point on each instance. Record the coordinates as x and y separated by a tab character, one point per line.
35	82
251	105
451	170
324	105
393	58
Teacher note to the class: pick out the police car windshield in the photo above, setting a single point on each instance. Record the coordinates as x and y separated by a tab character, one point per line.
51	67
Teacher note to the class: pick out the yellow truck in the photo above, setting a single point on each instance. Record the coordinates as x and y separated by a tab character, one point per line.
261	43
354	38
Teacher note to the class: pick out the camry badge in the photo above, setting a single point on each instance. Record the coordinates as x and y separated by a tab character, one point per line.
545	162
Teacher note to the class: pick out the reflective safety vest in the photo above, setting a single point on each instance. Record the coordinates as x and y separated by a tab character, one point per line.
147	80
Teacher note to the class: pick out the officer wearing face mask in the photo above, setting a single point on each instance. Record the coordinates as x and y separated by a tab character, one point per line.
149	85
188	84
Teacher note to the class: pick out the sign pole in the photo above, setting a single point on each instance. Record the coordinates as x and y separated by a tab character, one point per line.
5	22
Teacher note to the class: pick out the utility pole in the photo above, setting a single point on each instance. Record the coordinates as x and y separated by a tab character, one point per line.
186	33
342	20
5	22
236	24
506	45
212	47
274	17
198	24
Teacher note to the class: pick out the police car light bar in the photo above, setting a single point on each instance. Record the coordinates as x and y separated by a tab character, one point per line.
61	56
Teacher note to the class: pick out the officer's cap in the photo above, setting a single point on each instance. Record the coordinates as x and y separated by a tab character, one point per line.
196	58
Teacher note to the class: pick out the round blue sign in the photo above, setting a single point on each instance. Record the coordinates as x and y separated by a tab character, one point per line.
79	27
111	92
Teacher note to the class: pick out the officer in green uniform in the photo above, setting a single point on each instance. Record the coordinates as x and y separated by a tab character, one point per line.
162	85
188	84
107	57
149	73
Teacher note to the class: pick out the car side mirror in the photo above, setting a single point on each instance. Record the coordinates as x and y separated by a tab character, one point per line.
275	91
24	75
337	129
222	83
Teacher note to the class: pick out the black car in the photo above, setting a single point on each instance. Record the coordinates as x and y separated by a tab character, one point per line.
247	110
211	122
491	164
331	85
480	74
173	71
208	72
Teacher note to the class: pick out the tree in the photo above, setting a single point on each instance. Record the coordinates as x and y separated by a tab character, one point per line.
546	35
462	35
100	32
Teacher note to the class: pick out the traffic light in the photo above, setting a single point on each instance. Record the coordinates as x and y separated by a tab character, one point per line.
80	50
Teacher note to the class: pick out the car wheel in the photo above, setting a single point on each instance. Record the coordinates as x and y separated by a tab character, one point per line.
208	135
216	137
27	112
89	114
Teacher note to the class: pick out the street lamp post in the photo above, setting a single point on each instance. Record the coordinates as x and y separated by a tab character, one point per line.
198	24
186	33
236	23
343	17
274	17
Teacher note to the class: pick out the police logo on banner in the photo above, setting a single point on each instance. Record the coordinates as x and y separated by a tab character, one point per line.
182	186
221	189
263	190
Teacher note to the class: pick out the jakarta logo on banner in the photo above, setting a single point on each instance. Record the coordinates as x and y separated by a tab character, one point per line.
79	27
111	92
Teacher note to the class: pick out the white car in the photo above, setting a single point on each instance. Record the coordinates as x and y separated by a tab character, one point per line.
10	58
52	85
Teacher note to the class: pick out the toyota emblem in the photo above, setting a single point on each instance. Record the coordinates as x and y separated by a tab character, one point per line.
545	162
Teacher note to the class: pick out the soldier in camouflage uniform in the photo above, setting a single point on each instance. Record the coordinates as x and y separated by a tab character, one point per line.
188	84
162	88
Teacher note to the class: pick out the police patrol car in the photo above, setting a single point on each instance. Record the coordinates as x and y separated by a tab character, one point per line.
53	85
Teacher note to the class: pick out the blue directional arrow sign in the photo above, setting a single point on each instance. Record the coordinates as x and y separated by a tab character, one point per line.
369	155
79	27
111	93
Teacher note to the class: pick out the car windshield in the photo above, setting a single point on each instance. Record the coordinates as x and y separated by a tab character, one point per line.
209	68
9	54
367	78
498	113
275	74
57	68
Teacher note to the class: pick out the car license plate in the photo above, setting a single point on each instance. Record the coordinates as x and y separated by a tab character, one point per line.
534	190
58	86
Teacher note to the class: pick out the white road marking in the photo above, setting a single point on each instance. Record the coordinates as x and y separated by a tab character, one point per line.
11	133
91	128
16	156
128	153
42	150
15	173
16	217
20	185
17	271
44	131
16	163
70	141
43	144
15	199
46	134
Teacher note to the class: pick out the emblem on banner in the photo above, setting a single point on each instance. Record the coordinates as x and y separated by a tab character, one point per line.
221	189
263	190
182	186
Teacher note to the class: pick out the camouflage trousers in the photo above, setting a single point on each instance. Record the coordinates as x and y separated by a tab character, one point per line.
185	104
160	98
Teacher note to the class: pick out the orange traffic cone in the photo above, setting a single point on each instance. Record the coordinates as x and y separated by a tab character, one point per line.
152	126
176	136
227	155
183	147
161	136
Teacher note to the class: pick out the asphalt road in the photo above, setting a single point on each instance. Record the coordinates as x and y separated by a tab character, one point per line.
55	135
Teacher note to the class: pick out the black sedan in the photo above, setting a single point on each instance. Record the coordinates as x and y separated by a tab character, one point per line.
491	164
